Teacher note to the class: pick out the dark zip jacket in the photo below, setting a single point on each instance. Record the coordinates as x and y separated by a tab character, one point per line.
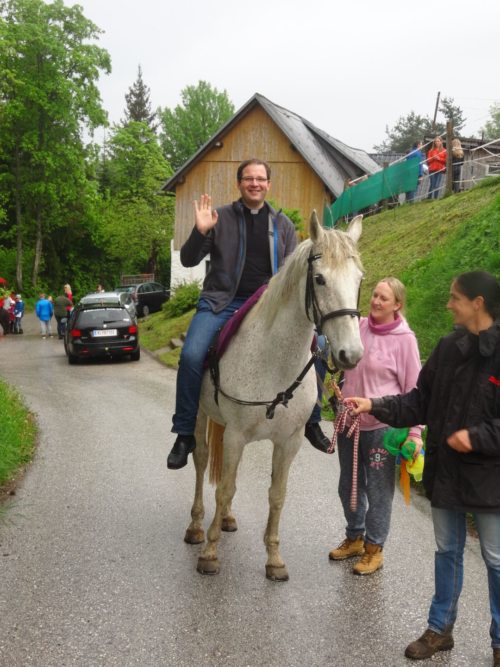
226	244
458	388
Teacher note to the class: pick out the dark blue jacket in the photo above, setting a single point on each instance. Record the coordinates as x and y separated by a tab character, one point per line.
458	388
226	244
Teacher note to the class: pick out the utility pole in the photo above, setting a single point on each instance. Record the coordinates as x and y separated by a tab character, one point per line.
449	168
436	112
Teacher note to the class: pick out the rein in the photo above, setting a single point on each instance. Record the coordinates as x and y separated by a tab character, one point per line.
282	397
344	407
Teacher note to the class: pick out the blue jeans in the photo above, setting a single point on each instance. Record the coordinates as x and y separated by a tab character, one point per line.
435	179
376	482
201	332
450	530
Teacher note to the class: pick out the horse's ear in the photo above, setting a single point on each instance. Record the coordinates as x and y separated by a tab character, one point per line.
355	228
315	229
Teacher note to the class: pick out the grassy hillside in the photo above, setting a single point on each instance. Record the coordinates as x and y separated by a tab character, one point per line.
425	245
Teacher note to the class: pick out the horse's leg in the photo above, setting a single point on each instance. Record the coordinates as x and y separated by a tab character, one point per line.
208	562
283	455
229	523
195	533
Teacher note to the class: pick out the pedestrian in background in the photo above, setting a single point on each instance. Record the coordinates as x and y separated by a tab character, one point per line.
436	161
416	152
19	314
457	162
61	305
458	397
44	312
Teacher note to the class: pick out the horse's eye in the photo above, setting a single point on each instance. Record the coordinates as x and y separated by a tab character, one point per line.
319	279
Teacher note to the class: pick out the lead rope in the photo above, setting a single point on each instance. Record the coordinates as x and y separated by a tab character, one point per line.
339	426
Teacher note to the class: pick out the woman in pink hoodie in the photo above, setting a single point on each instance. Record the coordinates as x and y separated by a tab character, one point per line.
390	365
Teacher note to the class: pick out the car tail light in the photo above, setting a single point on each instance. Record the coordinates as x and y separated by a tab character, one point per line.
132	329
75	333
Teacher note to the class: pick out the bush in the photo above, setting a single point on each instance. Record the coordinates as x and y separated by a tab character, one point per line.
185	298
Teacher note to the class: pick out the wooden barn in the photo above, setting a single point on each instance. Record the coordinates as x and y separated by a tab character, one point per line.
308	168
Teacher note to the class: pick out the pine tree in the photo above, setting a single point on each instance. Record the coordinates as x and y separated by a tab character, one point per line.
138	104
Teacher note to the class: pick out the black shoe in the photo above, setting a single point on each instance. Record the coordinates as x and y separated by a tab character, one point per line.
182	448
316	437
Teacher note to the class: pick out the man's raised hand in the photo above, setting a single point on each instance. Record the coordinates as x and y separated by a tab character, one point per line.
205	216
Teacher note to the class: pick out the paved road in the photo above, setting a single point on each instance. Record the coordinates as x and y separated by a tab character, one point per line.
94	571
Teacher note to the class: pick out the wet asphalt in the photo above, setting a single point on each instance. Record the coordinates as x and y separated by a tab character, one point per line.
94	571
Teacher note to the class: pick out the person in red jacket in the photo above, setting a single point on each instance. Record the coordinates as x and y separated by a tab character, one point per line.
436	160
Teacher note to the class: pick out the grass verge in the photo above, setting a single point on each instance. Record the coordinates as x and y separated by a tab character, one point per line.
17	437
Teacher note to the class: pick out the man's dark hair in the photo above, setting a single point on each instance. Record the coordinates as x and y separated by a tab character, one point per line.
481	283
253	160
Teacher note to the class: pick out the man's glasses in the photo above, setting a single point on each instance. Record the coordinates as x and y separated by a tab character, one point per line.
251	179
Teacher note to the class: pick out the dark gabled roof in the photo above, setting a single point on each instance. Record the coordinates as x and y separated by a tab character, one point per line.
331	159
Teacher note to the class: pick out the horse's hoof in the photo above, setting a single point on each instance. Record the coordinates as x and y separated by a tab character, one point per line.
194	536
229	524
206	566
277	573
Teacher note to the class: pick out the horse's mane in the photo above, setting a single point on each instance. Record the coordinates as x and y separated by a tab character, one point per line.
336	248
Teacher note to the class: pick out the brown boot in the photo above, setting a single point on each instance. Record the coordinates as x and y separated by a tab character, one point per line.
429	643
348	548
496	657
371	561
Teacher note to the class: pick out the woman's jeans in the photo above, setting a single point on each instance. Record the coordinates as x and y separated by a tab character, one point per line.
201	332
435	179
376	482
450	529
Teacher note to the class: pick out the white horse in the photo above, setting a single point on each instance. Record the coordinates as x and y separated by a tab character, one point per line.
317	286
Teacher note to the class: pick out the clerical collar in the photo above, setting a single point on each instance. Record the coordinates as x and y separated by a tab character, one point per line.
255	211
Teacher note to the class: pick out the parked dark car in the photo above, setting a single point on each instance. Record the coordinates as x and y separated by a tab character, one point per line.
148	297
101	326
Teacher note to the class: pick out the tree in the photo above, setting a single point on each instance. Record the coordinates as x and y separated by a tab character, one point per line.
491	129
138	104
48	93
137	221
414	127
452	113
407	130
185	129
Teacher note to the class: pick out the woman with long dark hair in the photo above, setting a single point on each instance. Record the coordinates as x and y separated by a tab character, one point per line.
458	397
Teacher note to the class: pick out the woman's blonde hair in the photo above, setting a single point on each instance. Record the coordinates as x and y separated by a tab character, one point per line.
67	288
398	289
456	148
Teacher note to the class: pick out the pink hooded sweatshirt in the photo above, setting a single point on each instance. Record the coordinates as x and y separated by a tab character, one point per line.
390	365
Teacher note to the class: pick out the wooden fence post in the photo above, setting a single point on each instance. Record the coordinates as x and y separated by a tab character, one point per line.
449	165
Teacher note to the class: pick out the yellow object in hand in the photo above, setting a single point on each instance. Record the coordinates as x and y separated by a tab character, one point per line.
416	468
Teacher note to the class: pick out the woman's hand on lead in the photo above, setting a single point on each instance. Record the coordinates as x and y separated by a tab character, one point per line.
361	404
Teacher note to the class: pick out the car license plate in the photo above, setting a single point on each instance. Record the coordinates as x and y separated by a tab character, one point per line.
100	333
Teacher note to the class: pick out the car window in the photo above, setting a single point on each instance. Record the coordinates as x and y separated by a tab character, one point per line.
143	289
157	287
99	316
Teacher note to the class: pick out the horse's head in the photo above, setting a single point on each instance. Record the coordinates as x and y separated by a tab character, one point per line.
332	291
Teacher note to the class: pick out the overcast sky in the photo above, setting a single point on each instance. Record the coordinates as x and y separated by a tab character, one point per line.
351	67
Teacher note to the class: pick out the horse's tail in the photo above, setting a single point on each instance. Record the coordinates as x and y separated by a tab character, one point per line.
215	441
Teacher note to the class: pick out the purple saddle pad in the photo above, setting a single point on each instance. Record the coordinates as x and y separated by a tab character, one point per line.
233	324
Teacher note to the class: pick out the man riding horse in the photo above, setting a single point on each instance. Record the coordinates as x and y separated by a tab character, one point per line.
247	241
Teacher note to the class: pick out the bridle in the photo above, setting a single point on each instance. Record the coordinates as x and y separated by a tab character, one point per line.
311	300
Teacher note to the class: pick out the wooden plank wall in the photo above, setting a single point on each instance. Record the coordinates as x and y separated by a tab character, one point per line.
293	182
